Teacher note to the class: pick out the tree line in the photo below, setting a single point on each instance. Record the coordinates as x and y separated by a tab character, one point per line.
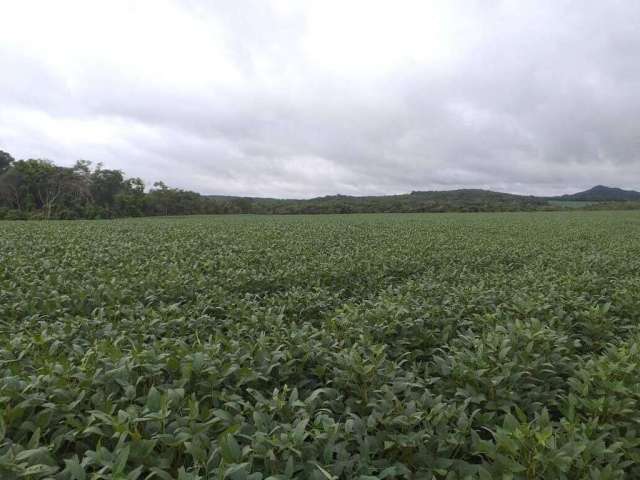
40	189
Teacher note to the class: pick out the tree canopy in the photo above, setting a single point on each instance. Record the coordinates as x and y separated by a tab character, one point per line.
40	189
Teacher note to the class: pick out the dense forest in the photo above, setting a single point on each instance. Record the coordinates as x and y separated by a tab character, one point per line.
40	189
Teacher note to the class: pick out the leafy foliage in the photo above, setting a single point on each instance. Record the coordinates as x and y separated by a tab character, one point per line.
39	189
350	347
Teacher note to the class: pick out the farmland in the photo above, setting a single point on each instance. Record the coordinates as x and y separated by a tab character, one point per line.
410	346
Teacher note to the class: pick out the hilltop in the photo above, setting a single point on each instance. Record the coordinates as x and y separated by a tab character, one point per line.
601	193
464	200
461	200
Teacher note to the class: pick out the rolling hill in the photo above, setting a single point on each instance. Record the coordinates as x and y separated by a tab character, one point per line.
462	200
465	200
600	193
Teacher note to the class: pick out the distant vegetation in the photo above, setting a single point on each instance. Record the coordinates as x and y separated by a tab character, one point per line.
570	203
39	189
600	193
444	201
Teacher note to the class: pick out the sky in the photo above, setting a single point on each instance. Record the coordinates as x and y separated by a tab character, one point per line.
297	99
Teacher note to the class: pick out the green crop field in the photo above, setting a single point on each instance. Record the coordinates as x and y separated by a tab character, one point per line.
368	347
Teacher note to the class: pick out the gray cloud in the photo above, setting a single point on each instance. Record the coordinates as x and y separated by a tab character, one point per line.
293	99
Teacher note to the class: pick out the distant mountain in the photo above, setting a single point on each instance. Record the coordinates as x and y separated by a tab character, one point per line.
466	200
600	193
463	200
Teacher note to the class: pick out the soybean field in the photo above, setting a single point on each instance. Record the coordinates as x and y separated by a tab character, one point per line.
382	346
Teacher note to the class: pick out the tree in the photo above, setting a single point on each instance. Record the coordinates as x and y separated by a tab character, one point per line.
105	185
5	161
79	182
130	202
38	184
160	198
241	205
12	189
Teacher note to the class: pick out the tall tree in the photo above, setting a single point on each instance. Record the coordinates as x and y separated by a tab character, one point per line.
38	184
105	185
5	161
160	198
13	189
130	201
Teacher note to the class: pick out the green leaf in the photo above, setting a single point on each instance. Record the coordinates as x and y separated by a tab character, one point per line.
154	400
231	452
74	468
121	460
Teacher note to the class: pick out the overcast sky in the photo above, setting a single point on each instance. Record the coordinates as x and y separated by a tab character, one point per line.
305	98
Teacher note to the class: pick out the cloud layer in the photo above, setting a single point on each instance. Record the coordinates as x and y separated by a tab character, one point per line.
297	99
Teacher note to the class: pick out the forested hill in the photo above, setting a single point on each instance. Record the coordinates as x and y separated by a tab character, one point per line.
434	201
600	193
39	189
